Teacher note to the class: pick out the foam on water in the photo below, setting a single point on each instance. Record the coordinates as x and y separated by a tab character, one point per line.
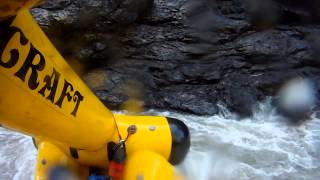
263	147
17	156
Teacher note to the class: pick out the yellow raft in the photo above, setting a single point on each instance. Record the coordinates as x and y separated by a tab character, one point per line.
42	96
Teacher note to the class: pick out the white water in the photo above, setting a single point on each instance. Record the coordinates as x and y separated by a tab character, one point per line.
263	147
17	156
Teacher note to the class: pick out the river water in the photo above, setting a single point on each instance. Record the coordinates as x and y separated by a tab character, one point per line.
262	147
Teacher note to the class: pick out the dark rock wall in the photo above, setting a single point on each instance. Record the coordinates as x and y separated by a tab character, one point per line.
187	55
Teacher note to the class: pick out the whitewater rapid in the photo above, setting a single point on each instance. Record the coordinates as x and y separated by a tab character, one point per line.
222	148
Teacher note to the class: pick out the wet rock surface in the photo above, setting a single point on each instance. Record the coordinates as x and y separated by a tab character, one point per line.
187	55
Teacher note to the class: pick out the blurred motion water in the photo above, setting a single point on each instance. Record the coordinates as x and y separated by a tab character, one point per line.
17	156
263	147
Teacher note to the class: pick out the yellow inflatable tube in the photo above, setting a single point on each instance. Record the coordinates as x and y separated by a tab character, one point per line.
42	96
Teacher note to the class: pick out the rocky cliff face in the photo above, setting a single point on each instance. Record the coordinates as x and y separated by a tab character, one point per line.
187	55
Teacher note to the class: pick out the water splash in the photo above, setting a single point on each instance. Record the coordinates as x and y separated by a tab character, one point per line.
17	156
262	147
